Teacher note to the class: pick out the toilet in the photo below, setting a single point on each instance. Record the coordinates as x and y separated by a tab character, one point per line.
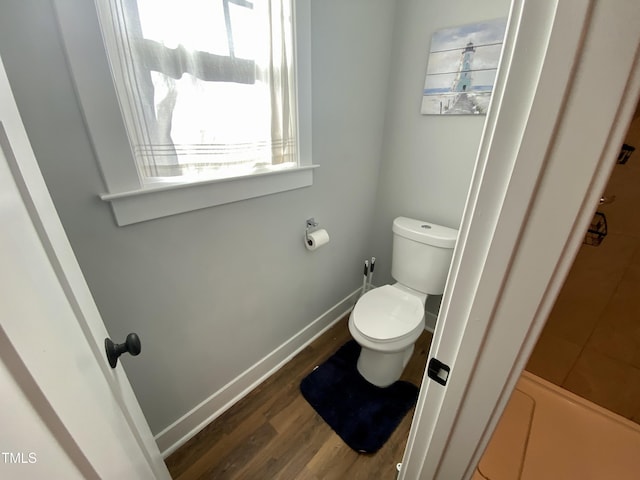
387	320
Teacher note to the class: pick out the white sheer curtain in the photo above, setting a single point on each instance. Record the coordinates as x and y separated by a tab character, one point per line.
206	86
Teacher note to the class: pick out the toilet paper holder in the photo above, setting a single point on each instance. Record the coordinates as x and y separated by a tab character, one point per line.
311	223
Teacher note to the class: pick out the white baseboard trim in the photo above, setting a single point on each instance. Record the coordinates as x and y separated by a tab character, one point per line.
430	321
179	432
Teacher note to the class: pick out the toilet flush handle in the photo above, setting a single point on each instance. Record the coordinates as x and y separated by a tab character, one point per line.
131	345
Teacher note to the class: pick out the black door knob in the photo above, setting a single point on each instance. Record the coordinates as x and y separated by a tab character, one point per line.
131	345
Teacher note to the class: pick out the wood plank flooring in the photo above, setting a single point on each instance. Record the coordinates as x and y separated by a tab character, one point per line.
273	433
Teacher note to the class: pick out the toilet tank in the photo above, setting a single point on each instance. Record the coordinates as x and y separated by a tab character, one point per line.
422	253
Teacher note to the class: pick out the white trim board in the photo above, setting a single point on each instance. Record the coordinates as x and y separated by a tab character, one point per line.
187	426
156	202
431	319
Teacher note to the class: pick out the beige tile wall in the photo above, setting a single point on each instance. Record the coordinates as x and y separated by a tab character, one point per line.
591	342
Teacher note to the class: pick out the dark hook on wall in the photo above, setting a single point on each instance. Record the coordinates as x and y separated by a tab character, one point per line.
625	153
597	230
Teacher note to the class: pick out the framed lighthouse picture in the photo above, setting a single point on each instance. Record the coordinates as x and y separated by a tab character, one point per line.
462	67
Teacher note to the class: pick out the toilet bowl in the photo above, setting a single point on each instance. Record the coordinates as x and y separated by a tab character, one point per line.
388	320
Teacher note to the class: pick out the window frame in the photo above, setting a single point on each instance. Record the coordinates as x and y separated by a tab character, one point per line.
130	199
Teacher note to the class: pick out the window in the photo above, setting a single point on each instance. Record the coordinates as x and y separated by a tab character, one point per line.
206	86
211	96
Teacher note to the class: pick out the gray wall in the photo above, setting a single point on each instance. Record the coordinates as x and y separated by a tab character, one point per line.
427	161
207	301
206	298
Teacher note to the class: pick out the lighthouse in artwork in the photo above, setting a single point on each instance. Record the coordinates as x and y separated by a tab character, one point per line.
463	81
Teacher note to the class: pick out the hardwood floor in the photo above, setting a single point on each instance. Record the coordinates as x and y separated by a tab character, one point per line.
273	433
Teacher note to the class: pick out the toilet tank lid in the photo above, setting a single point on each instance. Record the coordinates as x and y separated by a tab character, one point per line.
425	232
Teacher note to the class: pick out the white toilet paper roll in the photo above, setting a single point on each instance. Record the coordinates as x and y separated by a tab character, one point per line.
315	240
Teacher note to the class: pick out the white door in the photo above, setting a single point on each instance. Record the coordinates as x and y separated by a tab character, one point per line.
64	413
563	100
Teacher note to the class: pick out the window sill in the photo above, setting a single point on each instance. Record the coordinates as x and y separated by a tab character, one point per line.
162	201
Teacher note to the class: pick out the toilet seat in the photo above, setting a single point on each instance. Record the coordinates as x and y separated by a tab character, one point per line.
387	314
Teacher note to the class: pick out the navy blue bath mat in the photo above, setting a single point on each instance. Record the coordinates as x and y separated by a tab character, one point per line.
363	415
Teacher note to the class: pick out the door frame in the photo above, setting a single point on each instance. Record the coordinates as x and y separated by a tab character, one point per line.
546	154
